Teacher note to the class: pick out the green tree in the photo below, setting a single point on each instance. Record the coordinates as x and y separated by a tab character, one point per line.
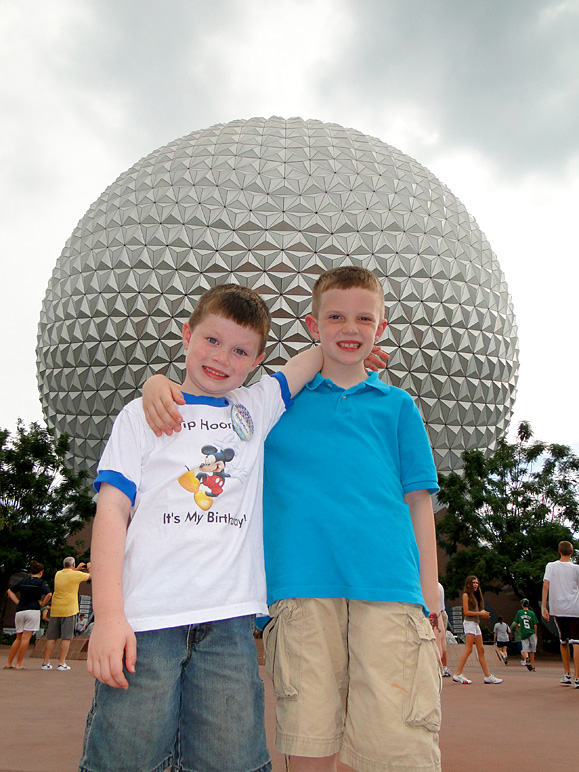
42	502
507	513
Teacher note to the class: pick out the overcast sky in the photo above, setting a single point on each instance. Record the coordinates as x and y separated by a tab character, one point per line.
483	93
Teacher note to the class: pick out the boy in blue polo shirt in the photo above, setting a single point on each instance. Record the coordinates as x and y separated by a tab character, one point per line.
350	553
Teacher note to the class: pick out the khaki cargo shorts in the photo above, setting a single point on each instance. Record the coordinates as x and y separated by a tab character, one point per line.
356	677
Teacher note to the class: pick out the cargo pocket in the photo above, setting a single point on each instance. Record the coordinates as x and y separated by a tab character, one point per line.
282	642
422	676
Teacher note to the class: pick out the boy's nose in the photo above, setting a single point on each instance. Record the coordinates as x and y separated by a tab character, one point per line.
222	357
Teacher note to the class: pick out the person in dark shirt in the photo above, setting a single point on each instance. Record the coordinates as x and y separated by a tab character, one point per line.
34	592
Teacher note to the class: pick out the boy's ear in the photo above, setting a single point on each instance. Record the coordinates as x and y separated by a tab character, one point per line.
380	329
186	335
312	323
258	361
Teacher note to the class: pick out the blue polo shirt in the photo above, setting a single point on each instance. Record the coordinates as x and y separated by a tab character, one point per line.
337	467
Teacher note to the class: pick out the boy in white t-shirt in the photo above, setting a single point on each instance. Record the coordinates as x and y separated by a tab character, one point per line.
177	558
561	589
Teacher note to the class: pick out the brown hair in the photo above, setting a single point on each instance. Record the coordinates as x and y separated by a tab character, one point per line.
36	567
475	598
345	277
239	304
566	548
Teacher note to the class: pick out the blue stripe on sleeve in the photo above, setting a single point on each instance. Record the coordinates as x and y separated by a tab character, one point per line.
285	392
119	481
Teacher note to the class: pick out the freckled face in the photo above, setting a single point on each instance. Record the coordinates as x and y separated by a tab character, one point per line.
348	324
220	355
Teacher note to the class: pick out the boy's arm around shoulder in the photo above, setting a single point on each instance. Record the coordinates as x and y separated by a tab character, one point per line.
161	396
301	368
112	639
420	505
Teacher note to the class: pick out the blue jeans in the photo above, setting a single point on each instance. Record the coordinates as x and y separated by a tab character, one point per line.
195	703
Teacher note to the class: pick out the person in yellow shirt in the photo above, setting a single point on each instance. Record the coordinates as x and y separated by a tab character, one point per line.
63	611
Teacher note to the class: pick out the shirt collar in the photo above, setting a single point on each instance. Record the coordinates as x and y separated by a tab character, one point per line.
372	382
193	399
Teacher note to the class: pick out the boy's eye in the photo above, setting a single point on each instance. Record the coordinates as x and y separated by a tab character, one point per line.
334	316
240	352
211	340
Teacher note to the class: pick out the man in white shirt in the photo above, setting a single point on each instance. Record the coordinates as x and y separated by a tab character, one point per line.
561	589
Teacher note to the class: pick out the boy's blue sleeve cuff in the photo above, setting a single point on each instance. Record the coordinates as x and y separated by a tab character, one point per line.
285	392
117	480
421	485
262	622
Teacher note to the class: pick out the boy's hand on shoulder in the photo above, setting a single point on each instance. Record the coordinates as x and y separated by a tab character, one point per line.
376	359
159	398
110	644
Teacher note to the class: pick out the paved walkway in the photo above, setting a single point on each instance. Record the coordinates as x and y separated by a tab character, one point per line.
530	722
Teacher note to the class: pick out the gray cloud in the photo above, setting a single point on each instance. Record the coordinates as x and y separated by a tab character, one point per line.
140	56
501	77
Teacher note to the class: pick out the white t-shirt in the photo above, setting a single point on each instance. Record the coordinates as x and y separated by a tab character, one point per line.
194	556
563	578
502	631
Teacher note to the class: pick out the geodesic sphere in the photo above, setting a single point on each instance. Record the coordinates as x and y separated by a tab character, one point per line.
271	204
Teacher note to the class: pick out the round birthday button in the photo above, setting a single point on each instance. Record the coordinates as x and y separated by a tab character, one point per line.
242	421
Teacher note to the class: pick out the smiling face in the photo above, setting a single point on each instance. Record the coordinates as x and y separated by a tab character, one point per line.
220	355
348	324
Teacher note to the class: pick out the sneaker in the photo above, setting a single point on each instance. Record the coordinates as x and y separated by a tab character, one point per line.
446	672
576	683
566	679
48	666
523	662
63	667
493	679
460	679
506	660
529	666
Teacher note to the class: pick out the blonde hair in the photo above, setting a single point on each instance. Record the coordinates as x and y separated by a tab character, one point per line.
345	277
239	304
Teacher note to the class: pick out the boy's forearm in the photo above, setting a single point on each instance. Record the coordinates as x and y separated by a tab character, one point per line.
422	516
108	551
302	367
